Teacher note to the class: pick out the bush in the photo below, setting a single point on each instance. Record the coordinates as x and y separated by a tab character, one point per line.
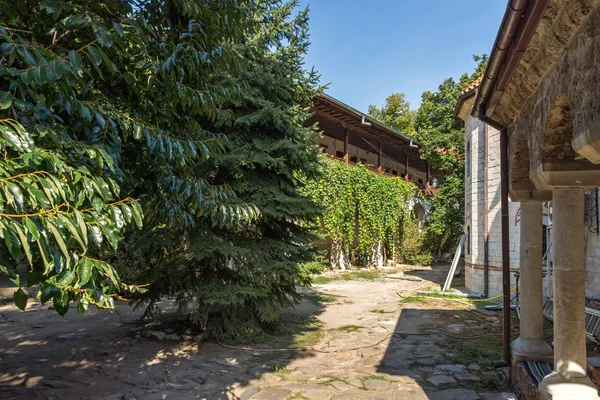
413	249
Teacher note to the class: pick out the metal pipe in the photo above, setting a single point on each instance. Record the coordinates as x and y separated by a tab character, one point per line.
505	234
505	242
486	245
506	33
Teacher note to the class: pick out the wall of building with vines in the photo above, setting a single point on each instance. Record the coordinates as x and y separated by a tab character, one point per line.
363	214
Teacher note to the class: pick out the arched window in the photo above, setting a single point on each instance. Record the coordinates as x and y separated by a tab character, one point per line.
468	159
468	241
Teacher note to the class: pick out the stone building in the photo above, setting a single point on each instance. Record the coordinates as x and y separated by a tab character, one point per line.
483	242
541	92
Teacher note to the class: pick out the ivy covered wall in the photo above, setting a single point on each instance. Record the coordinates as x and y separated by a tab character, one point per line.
366	218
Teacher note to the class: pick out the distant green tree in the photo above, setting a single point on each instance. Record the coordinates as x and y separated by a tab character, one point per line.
442	136
396	113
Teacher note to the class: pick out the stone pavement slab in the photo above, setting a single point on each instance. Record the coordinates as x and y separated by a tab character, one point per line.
272	394
376	384
499	396
441	380
454	394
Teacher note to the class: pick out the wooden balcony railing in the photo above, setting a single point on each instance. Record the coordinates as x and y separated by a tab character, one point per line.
426	189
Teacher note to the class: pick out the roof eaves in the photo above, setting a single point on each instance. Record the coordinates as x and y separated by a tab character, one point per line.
370	119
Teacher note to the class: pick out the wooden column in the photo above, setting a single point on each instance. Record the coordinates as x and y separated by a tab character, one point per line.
379	167
428	172
406	168
346	146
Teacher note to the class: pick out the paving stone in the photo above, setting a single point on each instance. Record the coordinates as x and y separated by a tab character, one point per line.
342	397
499	396
339	385
450	368
73	335
249	393
323	393
454	394
474	367
467	377
376	384
170	396
441	380
272	394
409	392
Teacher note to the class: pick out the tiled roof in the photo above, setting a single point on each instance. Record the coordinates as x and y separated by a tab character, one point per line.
473	85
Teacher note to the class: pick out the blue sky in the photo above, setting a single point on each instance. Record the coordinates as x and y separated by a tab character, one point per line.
367	50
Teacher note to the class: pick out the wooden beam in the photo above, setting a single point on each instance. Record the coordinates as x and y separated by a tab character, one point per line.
346	146
379	159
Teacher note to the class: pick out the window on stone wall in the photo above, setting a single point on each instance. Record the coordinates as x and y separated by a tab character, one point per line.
591	211
544	239
468	241
468	159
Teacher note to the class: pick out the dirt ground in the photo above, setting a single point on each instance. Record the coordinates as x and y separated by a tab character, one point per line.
349	339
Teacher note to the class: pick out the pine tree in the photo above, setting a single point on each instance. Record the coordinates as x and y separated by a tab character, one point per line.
241	278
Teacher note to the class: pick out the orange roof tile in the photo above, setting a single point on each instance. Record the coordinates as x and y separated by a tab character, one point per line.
473	85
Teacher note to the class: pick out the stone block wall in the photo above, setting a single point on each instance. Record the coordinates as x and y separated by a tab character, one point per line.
475	210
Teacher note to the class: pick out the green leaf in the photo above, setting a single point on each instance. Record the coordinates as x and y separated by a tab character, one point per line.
95	56
7	48
60	241
82	226
119	28
68	277
24	243
5	100
32	228
82	306
137	214
75	59
21	299
39	75
84	271
126	212
96	234
16	192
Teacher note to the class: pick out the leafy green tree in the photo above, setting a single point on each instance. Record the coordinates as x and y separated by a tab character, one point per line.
104	116
396	113
239	277
443	146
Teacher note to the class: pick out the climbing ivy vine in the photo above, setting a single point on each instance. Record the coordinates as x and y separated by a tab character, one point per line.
361	210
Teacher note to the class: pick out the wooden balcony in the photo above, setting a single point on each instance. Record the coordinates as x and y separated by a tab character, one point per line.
425	189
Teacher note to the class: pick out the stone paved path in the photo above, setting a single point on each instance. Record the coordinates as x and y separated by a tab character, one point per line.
412	362
364	343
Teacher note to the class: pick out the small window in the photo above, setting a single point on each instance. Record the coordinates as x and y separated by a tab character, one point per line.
363	160
339	154
468	241
468	159
394	172
353	158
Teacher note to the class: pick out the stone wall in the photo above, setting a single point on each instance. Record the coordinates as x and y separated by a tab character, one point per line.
571	82
576	76
475	210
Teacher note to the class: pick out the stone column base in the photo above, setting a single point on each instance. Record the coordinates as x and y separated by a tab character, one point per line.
531	350
557	387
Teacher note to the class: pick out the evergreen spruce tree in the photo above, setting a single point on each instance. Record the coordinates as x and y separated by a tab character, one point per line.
240	278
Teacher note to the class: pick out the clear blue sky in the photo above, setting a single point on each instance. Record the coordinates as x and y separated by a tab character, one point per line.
367	50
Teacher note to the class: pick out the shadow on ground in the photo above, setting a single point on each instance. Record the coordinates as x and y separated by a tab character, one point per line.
456	366
101	356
